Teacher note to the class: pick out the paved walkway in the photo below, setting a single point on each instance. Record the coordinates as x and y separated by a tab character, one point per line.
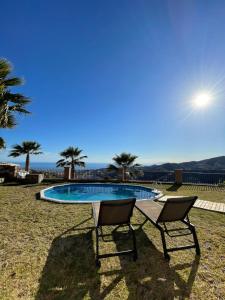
203	204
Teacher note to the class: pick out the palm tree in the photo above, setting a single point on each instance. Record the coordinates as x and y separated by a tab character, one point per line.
10	103
2	143
26	148
123	163
71	157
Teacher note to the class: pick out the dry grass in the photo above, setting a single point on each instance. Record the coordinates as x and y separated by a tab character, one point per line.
204	192
44	257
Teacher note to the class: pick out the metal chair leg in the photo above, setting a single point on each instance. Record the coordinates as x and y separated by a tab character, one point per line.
101	232
97	261
197	248
134	243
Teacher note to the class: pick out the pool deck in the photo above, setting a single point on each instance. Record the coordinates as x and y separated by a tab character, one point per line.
202	204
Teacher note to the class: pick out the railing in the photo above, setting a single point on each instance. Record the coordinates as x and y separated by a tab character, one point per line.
49	173
157	176
203	178
91	175
146	176
212	178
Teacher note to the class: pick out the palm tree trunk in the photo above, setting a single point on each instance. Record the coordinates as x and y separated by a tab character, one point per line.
123	174
27	165
72	171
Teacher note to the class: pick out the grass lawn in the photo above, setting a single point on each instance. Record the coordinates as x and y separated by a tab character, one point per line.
47	252
204	192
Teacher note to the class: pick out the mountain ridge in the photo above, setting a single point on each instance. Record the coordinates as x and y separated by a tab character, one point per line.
210	164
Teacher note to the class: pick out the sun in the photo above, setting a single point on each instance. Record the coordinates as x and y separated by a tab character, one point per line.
202	100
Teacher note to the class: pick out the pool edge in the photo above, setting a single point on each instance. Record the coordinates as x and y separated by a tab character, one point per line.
54	200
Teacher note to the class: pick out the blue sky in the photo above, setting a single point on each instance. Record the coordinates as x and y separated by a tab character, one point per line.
113	76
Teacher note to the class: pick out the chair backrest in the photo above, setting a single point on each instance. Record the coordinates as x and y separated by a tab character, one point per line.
176	209
116	212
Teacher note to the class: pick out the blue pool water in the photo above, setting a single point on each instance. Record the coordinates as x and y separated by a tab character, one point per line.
73	193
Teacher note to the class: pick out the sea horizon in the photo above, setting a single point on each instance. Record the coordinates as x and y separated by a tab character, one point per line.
52	166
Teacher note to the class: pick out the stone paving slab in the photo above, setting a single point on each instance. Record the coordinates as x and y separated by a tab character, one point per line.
203	204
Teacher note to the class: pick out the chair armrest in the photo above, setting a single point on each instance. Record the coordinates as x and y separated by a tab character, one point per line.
96	210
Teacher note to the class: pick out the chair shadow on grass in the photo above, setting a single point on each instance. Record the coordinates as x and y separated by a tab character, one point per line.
153	277
70	271
174	187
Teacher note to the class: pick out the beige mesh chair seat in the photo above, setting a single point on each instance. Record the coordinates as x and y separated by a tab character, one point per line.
151	209
112	213
174	209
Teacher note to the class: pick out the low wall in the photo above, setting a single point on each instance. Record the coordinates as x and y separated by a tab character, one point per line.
8	171
34	178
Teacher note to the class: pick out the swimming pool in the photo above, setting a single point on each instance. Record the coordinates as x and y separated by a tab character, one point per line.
92	192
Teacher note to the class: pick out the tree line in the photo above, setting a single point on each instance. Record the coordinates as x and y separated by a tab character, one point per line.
12	104
123	163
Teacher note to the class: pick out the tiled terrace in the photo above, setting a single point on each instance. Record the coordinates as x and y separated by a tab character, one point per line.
203	204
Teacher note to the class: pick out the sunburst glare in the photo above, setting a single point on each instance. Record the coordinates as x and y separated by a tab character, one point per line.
202	100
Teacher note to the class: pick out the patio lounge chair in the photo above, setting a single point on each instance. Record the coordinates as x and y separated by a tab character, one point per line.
112	213
174	209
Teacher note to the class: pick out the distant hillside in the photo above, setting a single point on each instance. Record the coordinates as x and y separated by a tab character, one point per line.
211	164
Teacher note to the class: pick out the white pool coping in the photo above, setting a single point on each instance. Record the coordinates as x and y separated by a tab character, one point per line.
43	197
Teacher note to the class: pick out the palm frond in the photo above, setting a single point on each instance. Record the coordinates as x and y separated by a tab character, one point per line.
14	153
124	159
18	108
136	166
31	146
73	153
112	167
79	164
17	147
64	154
17	151
16	98
5	68
12	81
26	147
7	120
7	110
124	163
82	157
2	143
36	152
61	163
